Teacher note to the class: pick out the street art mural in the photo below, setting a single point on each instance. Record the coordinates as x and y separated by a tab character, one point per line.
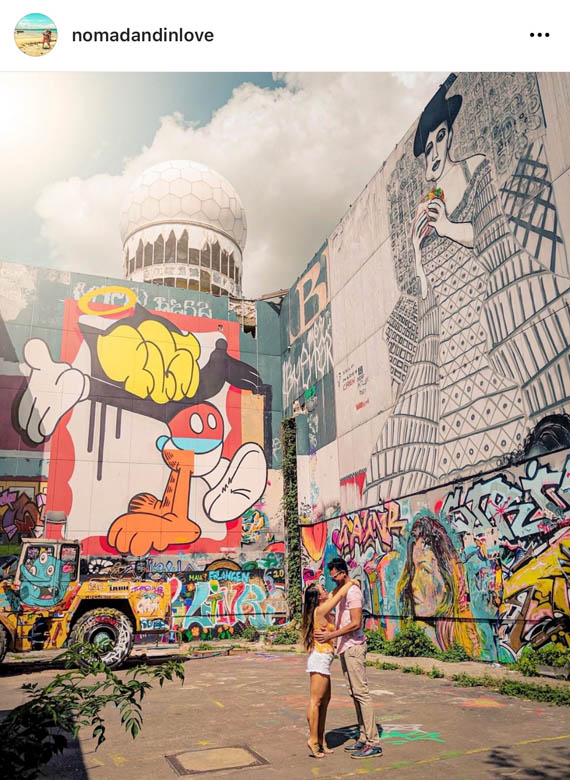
153	435
220	602
149	368
484	564
22	503
479	339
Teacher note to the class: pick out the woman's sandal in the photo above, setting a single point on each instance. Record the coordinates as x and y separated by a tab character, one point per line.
315	752
326	749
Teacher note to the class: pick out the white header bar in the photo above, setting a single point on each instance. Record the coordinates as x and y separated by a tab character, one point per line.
315	35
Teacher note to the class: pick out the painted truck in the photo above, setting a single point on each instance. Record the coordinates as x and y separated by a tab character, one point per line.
46	605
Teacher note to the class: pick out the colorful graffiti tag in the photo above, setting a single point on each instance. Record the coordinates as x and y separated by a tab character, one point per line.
22	504
220	602
485	565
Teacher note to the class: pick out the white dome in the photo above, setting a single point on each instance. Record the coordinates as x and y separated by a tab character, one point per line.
183	192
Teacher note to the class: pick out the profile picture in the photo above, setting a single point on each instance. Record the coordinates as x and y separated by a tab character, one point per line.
35	35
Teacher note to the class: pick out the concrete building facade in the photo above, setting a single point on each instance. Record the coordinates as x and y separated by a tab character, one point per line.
424	353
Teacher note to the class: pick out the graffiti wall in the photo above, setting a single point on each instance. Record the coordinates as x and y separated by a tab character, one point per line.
484	564
448	292
308	386
147	421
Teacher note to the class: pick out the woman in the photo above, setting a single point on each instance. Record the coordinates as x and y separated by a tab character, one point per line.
316	614
433	587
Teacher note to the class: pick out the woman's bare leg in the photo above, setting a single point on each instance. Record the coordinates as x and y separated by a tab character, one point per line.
323	717
317	693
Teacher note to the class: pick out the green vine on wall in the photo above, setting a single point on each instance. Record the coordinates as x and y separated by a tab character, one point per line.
291	516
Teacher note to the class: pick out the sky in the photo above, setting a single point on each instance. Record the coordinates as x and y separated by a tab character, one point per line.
35	22
298	148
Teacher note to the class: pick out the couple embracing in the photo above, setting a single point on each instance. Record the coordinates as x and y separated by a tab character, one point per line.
319	635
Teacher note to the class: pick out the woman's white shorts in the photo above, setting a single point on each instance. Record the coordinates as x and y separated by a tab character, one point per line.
319	662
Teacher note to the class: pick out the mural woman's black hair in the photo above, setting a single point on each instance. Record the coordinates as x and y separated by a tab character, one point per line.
439	109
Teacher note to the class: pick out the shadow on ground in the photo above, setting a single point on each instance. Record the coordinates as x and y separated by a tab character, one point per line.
553	765
13	668
337	737
69	763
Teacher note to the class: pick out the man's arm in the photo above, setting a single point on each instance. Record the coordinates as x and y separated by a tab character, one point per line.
354	625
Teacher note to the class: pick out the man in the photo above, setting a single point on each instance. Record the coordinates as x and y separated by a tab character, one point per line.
351	648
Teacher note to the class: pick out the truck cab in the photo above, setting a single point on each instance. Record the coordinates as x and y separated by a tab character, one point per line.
46	604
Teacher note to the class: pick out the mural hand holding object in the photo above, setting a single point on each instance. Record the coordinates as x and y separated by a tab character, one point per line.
52	390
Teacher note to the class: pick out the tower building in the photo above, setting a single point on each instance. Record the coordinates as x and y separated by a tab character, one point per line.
183	225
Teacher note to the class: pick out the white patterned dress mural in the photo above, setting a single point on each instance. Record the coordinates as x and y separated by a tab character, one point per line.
484	312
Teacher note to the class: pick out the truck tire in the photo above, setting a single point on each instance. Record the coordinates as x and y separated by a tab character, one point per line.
105	623
3	642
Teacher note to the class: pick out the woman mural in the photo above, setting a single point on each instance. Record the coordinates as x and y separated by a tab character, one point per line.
433	587
476	378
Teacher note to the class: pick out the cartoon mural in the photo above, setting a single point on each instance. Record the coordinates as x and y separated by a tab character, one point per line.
485	283
125	369
150	431
485	564
44	578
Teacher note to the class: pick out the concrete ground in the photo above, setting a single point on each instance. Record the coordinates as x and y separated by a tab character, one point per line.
249	709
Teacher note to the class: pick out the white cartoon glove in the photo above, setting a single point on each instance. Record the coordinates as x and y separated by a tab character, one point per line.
53	388
241	486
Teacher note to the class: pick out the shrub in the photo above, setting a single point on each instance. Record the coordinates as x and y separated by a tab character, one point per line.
527	663
376	642
288	635
413	642
435	673
454	654
551	655
250	634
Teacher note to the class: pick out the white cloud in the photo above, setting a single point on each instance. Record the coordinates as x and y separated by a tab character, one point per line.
297	155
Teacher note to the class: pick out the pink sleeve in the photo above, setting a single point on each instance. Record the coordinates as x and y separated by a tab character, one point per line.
354	598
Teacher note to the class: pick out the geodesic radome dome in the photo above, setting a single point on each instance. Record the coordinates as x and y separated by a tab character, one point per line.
183	192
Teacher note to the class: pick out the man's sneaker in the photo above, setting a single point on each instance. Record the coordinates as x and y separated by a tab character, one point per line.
368	751
357	746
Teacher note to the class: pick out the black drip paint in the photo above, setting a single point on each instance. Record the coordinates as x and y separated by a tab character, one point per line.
101	442
91	433
118	422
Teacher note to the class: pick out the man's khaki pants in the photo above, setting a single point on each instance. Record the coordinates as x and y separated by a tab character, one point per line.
353	667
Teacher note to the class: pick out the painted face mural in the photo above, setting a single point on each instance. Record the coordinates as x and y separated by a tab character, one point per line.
484	565
427	584
44	579
436	152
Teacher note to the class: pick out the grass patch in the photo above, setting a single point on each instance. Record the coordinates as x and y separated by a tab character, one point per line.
413	669
386	665
547	693
435	673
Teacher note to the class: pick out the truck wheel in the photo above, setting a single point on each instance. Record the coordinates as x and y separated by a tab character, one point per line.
3	642
102	624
